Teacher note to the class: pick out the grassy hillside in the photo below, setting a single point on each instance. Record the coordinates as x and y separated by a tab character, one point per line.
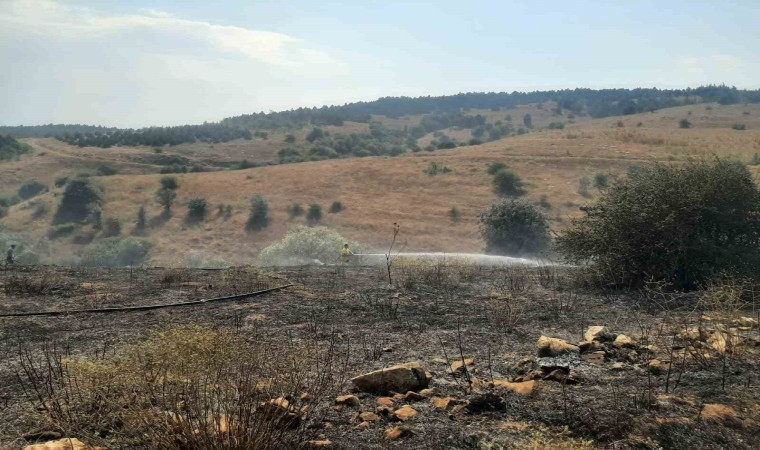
377	191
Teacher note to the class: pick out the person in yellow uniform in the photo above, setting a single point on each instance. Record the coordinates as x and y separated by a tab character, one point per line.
345	254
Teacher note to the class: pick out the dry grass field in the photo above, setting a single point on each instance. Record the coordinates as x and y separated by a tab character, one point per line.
378	191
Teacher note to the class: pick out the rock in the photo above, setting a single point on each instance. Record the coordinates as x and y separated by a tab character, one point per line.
623	341
388	349
439	361
399	378
715	412
348	400
594	358
459	366
746	322
523	366
385	401
384	411
364	426
510	425
589	346
617	366
458	409
319	443
520	388
405	413
559	375
429	391
486	402
368	417
598	333
412	396
398	432
551	347
62	444
305	397
443	403
658	367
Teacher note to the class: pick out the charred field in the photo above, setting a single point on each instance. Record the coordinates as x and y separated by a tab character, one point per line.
668	370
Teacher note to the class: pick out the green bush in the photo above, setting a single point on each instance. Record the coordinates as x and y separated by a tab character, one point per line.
739	126
295	210
304	245
258	219
583	185
507	183
111	227
601	181
117	252
8	201
80	199
29	190
197	209
314	215
58	231
679	224
434	169
142	222
684	123
61	181
170	183
495	168
336	207
107	171
515	228
454	214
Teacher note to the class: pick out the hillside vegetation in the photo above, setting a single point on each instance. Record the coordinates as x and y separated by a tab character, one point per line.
558	168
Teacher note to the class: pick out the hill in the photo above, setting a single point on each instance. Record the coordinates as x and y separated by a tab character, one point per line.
378	191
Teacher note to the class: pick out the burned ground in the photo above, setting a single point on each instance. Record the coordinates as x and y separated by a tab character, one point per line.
686	352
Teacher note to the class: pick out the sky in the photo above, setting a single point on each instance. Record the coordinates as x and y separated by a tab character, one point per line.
135	63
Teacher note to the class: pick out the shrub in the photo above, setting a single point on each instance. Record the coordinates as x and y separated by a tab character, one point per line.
314	215
196	210
117	252
684	123
142	222
58	231
454	214
336	207
528	121
739	126
289	155
111	227
583	185
290	139
29	190
434	169
495	168
61	181
80	200
601	181
314	134
8	201
258	219
303	245
107	171
755	159
514	227
295	210
169	183
556	126
25	253
544	202
507	183
679	224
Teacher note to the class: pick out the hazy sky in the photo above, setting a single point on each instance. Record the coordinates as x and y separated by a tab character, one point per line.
138	63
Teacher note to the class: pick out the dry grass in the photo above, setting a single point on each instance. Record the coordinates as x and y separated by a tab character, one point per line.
378	191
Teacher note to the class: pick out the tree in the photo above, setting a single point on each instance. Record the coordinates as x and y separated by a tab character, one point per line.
528	120
167	193
295	210
679	224
29	190
314	134
684	123
259	216
507	183
314	215
336	207
289	138
141	223
111	227
514	227
197	209
80	200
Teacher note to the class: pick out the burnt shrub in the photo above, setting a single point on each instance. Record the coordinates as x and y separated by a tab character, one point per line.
680	224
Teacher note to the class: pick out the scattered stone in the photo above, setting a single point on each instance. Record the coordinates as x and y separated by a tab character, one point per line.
62	444
458	409
658	367
429	391
552	347
398	432
398	397
400	378
594	358
412	396
305	397
384	411
715	412
598	333
443	403
459	366
520	388
279	410
617	366
623	341
348	400
388	349
440	361
485	403
746	322
510	425
405	413
319	443
364	426
559	375
524	366
385	401
589	346
368	417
